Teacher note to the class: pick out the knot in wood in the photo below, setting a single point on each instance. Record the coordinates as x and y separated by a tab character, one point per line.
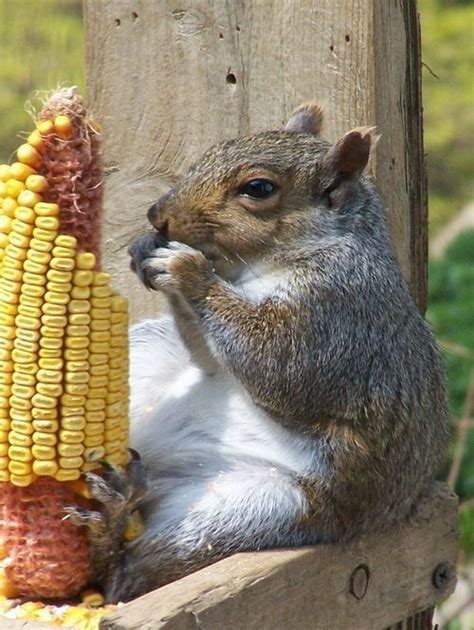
359	581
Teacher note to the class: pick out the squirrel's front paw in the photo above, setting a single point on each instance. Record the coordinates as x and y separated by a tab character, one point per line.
178	268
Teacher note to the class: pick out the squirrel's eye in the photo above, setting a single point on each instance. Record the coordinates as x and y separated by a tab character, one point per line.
258	188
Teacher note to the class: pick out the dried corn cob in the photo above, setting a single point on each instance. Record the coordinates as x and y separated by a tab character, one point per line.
63	349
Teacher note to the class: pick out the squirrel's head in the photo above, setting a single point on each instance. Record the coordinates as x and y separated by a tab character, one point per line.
255	195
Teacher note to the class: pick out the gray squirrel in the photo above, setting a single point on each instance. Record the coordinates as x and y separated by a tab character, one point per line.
293	394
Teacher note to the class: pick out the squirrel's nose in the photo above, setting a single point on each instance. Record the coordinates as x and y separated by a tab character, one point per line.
157	218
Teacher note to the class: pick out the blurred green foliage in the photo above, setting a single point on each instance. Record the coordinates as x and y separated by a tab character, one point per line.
447	28
41	46
451	313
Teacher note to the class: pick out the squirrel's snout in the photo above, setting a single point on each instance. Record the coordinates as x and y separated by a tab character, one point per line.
157	218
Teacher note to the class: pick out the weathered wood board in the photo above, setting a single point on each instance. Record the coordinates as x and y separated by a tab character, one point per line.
168	79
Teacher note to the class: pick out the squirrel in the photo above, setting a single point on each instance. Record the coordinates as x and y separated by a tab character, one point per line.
293	394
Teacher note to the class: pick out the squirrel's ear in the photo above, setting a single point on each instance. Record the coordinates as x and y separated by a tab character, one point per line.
346	160
308	118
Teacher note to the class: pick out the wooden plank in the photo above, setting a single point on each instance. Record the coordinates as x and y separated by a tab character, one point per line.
320	587
170	78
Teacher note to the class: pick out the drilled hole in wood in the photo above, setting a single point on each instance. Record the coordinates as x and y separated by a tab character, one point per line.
231	78
347	38
117	22
134	16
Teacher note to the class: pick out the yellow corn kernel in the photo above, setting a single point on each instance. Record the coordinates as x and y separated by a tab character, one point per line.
85	261
23	213
72	411
14	187
64	127
25	428
5	172
80	319
59	276
56	321
77	389
101	278
30	323
70	450
79	306
134	526
21	171
5	224
71	354
40	245
54	309
67	475
28	155
21	227
45	467
33	290
33	267
19	454
19	439
8	206
43	209
45	353
96	392
62	263
95	404
50	368
44	235
50	331
45	127
63	252
39	413
82	277
26	368
36	183
43	452
71	437
94	453
46	439
51	343
70	462
48	223
53	297
23	379
21	480
92	598
98	359
29	311
99	370
73	423
39	258
80	293
46	426
4	476
65	240
18	240
20	415
36	140
59	287
23	391
49	389
77	343
44	402
76	378
28	198
73	400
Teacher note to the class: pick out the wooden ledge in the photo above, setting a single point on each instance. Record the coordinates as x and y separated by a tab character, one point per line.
374	583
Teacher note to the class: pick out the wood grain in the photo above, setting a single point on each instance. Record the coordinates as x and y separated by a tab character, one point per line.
168	79
311	587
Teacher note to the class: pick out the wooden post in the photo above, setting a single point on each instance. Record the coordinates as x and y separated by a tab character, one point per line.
168	79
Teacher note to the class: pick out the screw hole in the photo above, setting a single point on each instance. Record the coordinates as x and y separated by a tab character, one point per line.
231	78
117	22
331	48
237	28
221	36
347	38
